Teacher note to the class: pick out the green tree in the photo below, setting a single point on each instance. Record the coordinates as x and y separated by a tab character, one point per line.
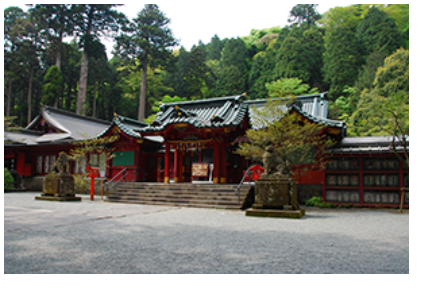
231	81
214	48
13	34
342	60
52	87
149	40
300	56
55	22
304	13
378	32
91	22
400	13
196	76
71	57
384	109
301	143
288	87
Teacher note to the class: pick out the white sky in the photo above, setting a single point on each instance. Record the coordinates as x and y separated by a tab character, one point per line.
192	21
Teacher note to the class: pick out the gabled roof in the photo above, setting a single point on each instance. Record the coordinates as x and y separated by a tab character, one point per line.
21	137
70	124
209	113
128	127
313	107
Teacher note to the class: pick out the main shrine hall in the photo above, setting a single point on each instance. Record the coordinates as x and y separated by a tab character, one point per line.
195	141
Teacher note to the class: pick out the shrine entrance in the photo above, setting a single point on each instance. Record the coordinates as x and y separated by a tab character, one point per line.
195	161
200	136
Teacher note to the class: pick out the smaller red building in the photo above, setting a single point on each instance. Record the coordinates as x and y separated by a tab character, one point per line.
33	151
365	171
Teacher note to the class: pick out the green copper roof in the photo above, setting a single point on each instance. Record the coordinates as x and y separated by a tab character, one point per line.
209	113
128	126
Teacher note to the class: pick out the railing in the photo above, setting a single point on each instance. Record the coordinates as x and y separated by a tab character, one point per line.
248	172
109	185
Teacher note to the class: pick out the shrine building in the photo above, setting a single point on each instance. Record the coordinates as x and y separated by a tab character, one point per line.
196	141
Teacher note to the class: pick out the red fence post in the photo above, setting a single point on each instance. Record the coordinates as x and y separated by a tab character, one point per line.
93	173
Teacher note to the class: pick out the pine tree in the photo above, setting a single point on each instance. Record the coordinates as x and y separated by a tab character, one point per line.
150	41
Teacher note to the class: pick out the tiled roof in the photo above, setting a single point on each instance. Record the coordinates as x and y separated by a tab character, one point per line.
21	137
209	113
77	127
313	107
128	126
369	144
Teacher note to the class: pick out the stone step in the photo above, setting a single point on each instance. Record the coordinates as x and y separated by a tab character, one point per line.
183	187
184	194
176	200
179	204
168	194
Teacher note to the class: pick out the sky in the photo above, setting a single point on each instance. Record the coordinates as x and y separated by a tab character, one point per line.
192	21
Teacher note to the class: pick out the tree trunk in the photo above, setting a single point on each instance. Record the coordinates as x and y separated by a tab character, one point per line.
8	105
29	97
80	105
58	59
142	98
94	98
58	49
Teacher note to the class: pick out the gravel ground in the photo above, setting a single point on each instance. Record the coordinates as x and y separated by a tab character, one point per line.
99	237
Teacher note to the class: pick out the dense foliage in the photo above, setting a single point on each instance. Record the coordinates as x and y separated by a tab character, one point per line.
345	51
297	141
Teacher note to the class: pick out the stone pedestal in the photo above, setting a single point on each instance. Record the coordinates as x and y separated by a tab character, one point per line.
58	187
276	196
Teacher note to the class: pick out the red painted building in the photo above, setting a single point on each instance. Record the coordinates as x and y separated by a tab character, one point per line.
196	140
33	151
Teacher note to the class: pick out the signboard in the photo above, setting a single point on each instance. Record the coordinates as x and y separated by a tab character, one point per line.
123	158
200	169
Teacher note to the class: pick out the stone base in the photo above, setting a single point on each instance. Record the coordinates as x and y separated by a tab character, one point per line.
55	198
271	213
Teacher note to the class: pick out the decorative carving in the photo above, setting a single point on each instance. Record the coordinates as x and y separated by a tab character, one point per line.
61	165
59	185
274	166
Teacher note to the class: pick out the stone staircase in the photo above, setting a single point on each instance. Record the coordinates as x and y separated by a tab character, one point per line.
182	194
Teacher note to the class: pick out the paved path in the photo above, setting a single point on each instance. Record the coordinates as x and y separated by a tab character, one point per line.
100	237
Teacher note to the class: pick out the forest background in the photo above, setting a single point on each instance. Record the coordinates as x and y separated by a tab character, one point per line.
358	53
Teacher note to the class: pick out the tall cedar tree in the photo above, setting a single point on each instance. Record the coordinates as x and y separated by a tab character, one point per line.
196	76
149	40
12	37
92	21
234	68
55	21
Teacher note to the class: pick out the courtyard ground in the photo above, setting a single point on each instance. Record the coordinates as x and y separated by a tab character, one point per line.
100	237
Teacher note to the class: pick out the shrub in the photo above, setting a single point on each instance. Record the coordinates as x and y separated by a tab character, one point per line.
318	202
9	180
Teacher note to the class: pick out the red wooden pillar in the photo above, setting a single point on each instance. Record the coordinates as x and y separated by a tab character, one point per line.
223	170
216	175
167	163
178	164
